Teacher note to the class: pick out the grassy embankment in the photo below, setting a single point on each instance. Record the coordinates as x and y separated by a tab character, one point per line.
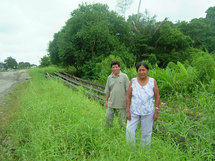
53	122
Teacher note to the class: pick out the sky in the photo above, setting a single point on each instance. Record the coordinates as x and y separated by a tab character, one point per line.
27	26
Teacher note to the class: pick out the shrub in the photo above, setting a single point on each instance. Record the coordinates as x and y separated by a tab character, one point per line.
205	66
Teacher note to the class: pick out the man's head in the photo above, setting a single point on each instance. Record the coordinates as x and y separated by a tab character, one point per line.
115	67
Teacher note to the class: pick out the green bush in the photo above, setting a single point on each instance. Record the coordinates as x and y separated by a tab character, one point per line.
176	78
205	66
127	57
71	70
131	72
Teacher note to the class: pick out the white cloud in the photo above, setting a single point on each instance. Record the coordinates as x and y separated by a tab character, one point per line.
176	10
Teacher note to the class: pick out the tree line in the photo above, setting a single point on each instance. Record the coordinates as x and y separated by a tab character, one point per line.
94	34
11	63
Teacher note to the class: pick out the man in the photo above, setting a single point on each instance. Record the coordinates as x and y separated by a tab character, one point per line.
116	88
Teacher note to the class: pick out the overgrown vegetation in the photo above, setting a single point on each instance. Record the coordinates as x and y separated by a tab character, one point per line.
94	34
52	124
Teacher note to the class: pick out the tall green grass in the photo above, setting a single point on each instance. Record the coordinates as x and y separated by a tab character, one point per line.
56	123
190	122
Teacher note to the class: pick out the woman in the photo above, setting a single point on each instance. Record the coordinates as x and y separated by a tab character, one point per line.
140	106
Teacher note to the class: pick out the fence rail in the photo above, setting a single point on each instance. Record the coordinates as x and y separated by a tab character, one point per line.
93	90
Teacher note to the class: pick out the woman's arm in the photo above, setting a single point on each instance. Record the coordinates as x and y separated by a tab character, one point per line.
128	101
157	101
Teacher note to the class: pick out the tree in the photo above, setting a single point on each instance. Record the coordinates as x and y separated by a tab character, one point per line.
10	63
211	16
45	61
1	66
91	34
53	49
201	30
198	30
171	44
210	19
143	28
171	38
24	65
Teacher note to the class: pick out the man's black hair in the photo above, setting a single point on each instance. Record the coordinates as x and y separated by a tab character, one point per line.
115	63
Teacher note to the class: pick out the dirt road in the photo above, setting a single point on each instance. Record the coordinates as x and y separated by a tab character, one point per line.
9	79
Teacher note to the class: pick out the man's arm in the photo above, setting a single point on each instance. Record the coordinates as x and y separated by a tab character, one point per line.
107	91
127	82
106	102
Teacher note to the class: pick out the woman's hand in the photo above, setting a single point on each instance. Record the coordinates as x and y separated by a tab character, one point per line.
155	116
128	115
106	104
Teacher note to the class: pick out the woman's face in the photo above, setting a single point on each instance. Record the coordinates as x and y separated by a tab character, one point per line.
142	72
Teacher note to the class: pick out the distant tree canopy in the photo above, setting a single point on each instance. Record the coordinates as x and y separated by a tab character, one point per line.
10	63
24	65
201	30
1	66
93	33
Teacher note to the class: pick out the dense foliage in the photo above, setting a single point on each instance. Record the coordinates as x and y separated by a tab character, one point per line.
201	30
93	33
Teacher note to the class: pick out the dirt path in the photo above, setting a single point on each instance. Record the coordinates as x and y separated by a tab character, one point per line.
9	79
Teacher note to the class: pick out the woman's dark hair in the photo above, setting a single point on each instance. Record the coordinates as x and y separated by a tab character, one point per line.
115	63
142	64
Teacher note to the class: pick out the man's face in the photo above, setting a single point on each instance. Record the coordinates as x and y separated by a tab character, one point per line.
115	69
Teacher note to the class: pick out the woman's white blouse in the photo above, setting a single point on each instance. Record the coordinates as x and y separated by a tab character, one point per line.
142	97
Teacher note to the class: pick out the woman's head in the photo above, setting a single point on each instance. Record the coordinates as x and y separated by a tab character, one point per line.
142	64
142	69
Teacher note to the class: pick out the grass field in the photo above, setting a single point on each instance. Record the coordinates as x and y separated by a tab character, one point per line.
53	122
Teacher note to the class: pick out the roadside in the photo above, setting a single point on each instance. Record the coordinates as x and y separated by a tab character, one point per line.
9	79
11	87
9	92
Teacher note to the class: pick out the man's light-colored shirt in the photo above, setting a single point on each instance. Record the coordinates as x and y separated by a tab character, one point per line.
117	88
